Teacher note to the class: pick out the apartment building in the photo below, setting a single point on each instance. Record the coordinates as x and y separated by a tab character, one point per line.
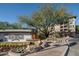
66	28
72	25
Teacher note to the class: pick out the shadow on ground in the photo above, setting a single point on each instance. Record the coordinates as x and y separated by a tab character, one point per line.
67	52
70	45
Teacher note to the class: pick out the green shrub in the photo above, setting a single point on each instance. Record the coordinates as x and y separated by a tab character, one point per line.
57	35
32	43
12	44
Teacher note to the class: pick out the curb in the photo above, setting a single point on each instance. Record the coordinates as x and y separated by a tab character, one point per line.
65	53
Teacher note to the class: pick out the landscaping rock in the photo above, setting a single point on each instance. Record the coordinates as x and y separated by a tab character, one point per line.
28	48
3	53
25	53
38	48
10	53
32	49
35	49
45	44
39	42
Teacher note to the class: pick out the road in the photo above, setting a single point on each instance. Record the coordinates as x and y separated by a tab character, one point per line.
74	47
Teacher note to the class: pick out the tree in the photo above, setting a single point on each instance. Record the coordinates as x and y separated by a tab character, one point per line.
77	28
44	18
6	25
3	25
15	26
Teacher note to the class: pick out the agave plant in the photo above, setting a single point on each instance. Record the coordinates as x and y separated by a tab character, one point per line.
18	49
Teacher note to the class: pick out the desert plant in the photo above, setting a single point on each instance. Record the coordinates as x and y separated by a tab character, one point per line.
32	43
57	35
17	49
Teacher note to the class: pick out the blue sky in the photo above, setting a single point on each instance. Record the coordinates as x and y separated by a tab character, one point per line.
11	12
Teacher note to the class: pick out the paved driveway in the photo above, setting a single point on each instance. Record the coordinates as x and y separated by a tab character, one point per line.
74	48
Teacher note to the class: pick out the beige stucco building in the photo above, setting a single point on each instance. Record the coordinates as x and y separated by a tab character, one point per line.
66	27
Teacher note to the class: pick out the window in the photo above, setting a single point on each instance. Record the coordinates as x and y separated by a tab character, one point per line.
73	26
11	36
70	22
16	37
19	36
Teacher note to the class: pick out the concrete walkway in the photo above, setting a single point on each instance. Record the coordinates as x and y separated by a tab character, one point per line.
54	51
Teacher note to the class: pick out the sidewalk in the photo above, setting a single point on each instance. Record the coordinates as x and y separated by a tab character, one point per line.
54	51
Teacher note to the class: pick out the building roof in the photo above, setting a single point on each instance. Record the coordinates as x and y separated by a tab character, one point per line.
16	30
72	17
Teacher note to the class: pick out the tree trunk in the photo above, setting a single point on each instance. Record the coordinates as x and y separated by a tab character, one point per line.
46	35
